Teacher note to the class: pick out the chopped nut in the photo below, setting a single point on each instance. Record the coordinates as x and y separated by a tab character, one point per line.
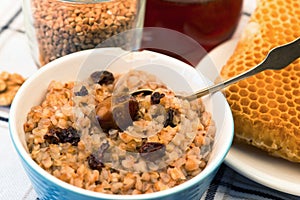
9	85
3	85
176	174
4	75
17	78
192	164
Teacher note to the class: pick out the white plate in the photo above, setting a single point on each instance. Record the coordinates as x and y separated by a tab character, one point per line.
273	172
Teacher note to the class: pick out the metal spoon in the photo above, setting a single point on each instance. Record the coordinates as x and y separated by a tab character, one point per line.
278	58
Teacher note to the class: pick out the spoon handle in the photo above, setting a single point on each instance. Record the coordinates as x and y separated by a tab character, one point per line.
278	58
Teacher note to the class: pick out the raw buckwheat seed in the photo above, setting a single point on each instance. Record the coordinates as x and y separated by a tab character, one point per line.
62	27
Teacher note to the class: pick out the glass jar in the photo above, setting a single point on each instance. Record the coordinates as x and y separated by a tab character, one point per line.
208	22
59	27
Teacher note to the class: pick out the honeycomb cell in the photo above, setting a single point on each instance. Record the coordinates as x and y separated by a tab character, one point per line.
276	120
288	95
271	95
261	84
282	10
289	125
235	107
283	107
266	117
257	55
279	91
277	83
280	99
280	3
296	93
249	65
262	99
274	14
261	92
272	104
270	87
286	80
277	76
288	32
294	79
252	88
241	68
287	71
265	11
251	80
242	84
285	116
253	96
234	97
273	6
243	92
263	109
290	103
292	112
254	105
245	101
269	80
231	74
233	88
295	121
246	110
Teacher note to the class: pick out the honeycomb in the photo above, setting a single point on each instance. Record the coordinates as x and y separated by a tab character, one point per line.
266	107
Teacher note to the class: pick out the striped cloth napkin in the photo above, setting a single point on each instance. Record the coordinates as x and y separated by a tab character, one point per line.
15	57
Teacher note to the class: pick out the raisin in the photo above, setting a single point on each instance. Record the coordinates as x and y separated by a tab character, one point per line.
97	182
103	77
152	151
112	170
155	97
95	163
169	119
58	135
133	108
82	92
143	92
51	139
95	160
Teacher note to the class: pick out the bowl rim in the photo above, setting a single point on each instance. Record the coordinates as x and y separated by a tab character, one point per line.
25	157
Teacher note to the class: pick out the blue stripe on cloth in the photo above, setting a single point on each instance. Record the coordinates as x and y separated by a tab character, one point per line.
213	187
4	119
227	184
6	26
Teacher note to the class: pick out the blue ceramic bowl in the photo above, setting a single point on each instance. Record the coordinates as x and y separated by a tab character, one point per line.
69	68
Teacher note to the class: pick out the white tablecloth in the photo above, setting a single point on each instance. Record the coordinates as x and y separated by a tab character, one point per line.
15	57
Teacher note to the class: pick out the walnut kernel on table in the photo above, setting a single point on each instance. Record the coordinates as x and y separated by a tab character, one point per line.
9	85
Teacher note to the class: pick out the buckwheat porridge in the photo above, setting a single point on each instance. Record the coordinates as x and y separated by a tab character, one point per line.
95	135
